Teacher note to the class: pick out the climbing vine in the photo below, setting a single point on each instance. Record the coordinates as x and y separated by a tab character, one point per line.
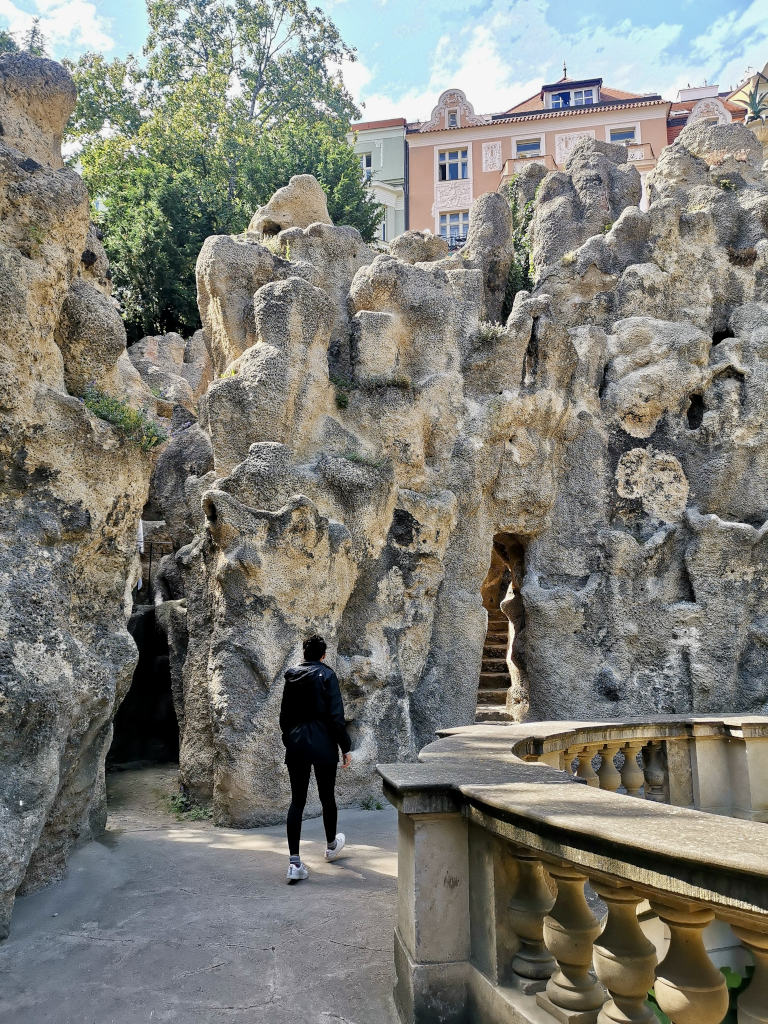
521	271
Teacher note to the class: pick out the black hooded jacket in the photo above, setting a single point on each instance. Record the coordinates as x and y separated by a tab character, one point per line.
312	715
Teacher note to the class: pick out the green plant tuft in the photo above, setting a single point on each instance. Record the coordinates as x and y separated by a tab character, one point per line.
727	185
343	386
756	105
370	803
184	809
133	424
489	332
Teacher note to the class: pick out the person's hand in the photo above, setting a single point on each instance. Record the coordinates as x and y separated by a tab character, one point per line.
346	760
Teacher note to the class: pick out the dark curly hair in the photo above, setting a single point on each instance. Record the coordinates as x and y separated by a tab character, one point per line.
314	648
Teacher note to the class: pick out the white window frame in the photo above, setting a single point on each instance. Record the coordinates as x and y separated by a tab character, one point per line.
366	165
527	139
461	160
462	223
560	106
452	118
579	97
624	127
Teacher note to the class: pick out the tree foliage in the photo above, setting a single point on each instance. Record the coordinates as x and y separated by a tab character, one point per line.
34	41
7	43
234	97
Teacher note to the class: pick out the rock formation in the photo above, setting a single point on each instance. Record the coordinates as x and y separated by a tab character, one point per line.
71	492
359	436
374	428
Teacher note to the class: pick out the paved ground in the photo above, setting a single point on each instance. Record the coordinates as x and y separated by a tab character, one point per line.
183	922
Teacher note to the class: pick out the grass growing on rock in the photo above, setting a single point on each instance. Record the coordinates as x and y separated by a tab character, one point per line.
343	386
132	423
490	332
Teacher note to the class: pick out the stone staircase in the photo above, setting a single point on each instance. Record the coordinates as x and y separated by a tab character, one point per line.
494	674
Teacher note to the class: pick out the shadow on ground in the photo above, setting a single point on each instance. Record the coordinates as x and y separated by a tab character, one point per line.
183	922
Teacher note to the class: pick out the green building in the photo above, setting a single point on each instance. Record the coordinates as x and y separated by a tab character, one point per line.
382	151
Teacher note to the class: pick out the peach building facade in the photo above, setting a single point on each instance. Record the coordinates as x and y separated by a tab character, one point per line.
458	155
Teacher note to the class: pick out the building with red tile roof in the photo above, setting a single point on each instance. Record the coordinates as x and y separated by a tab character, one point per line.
458	155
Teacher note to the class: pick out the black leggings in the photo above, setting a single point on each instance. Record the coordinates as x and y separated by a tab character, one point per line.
325	777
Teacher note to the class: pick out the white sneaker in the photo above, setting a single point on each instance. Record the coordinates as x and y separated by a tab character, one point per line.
296	873
334	853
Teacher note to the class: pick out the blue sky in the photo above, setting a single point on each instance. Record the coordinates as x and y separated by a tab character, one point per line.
497	51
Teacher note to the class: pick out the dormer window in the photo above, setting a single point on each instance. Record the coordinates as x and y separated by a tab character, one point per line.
453	119
561	99
583	97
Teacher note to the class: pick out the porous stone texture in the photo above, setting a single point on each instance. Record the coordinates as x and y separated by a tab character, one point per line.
71	492
176	371
296	205
419	247
371	432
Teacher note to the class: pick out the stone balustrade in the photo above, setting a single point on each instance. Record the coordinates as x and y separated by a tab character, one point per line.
718	765
533	892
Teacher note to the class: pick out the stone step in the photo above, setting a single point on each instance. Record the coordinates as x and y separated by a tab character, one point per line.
492	696
495	650
492	713
494	664
496	638
494	680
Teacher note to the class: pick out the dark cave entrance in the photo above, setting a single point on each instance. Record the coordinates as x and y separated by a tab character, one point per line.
503	687
146	729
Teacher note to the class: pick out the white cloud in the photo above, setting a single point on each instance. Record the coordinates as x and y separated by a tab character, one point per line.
505	56
69	26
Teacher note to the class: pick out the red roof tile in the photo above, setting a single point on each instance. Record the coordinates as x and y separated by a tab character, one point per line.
392	122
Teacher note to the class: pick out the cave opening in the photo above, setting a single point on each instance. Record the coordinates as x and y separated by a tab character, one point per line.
503	685
146	730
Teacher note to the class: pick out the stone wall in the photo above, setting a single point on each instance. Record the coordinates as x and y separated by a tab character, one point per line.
71	492
373	426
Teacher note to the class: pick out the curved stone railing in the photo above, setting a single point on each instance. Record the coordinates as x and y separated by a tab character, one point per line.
718	765
526	896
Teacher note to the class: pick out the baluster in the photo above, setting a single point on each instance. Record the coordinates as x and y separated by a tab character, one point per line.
569	931
688	988
753	1002
608	774
654	773
624	959
585	770
530	902
632	777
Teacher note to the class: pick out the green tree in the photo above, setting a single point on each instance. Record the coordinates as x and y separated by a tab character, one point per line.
34	41
7	43
236	96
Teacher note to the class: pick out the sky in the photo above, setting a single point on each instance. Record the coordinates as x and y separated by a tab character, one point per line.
498	51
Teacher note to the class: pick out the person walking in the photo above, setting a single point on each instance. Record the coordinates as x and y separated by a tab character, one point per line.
313	728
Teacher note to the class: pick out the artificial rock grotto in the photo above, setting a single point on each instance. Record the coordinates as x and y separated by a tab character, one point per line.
351	437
